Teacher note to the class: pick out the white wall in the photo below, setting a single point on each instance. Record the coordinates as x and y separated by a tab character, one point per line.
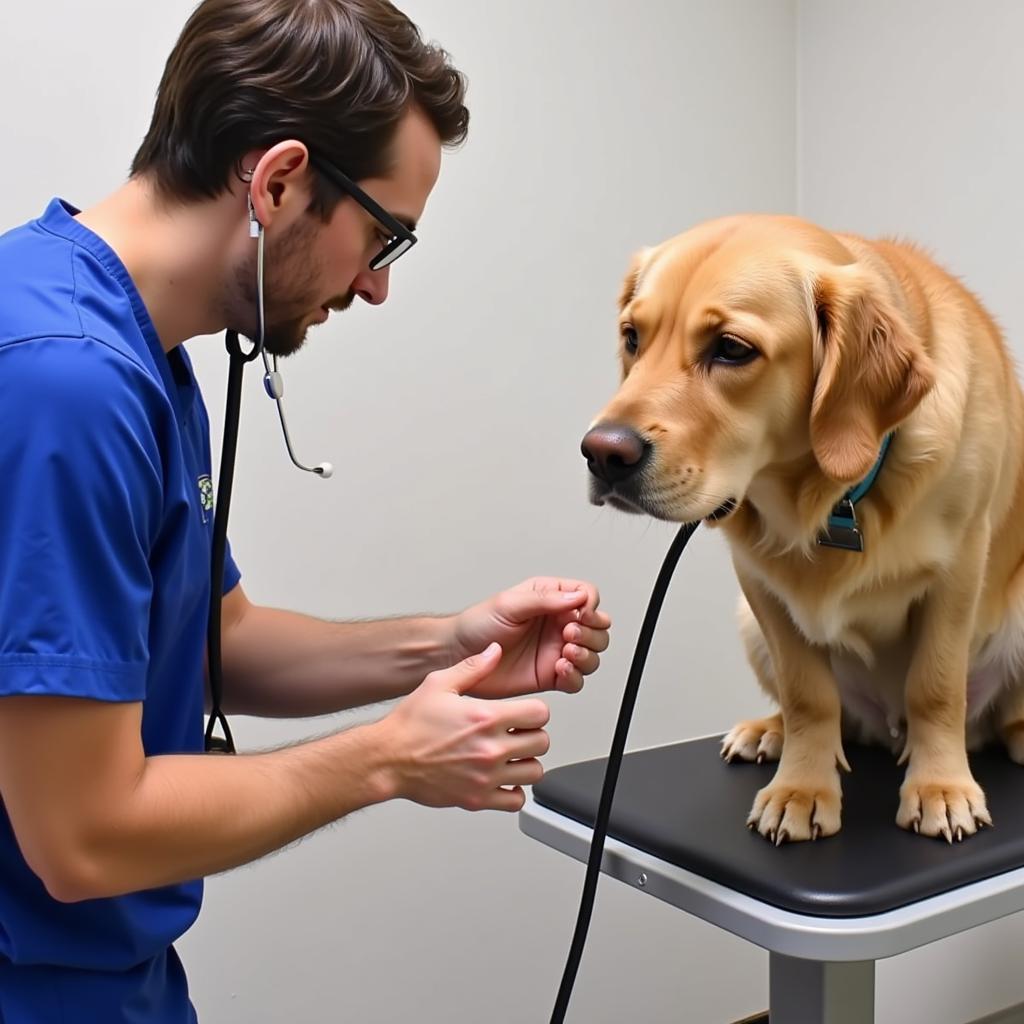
909	116
453	415
454	412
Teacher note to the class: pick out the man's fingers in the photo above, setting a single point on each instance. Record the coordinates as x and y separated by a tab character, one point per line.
528	744
527	772
506	800
546	595
568	678
584	636
581	658
557	583
595	619
523	605
464	675
589	608
523	714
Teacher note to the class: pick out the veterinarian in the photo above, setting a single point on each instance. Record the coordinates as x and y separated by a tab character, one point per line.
314	129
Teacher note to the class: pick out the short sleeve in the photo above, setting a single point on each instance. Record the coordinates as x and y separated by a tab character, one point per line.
232	574
82	486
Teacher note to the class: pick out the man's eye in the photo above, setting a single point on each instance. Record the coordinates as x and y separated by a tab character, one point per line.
630	339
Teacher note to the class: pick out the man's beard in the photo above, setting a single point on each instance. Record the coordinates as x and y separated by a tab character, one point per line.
289	298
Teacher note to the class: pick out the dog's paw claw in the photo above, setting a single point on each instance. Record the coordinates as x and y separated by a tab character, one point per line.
952	807
796	812
757	739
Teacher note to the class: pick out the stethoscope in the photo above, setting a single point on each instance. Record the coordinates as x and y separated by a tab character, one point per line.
273	383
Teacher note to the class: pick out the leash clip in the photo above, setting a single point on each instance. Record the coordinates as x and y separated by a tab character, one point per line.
842	531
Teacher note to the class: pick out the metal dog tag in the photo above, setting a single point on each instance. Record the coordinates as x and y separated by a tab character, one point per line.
842	531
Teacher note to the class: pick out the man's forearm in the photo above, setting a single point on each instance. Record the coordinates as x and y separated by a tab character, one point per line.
283	664
193	815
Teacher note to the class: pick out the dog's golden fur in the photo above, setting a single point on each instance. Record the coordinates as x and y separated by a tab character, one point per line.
919	639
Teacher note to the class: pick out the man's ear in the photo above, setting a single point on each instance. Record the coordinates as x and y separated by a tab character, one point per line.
279	179
873	371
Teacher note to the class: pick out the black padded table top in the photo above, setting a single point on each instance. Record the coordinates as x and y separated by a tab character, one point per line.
683	804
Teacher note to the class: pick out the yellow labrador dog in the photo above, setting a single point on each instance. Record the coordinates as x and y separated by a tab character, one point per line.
847	412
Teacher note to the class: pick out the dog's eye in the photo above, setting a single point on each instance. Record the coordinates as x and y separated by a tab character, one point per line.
729	349
630	339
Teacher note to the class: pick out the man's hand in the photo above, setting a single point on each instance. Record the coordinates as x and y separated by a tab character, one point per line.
444	748
549	629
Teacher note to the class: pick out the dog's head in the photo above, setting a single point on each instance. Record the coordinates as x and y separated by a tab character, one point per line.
749	343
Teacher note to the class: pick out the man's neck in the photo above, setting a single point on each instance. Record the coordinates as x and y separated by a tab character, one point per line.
178	256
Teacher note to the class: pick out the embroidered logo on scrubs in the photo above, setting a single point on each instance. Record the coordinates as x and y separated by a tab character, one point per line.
206	496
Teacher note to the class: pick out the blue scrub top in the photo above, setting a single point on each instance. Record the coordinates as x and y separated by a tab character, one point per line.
106	524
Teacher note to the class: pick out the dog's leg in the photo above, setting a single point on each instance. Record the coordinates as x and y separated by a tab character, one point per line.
804	799
939	796
1009	719
756	739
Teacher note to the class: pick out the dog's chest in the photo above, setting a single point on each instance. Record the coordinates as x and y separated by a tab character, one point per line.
857	601
861	621
857	613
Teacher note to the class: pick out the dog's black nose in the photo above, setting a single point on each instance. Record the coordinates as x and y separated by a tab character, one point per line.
614	452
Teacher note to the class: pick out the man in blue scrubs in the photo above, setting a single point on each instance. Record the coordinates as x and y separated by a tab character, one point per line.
111	813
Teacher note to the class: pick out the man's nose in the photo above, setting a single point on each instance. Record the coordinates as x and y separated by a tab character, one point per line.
372	285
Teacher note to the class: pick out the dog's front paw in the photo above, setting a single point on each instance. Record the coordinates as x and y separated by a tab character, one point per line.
790	810
951	806
757	739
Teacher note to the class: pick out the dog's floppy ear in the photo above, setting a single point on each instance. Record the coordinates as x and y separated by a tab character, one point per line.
872	371
633	275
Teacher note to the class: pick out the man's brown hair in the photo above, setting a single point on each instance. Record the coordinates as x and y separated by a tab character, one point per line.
336	74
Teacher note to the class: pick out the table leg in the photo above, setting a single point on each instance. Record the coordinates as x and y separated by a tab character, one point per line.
819	992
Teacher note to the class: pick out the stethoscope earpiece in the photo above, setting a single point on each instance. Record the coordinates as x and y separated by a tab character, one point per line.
273	381
255	227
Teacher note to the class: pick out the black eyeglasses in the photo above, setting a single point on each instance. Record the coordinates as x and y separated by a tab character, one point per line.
402	239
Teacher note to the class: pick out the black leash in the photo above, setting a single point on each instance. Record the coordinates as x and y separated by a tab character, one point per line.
611	774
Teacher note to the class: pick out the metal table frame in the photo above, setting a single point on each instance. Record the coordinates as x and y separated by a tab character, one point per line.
821	969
